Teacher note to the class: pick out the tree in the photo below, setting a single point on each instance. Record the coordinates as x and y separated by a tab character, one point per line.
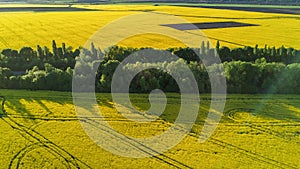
47	53
60	53
218	47
225	54
269	75
5	74
242	77
27	53
202	49
10	53
54	49
64	50
93	51
107	72
290	80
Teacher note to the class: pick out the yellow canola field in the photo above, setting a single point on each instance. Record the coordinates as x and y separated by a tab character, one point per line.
20	29
41	129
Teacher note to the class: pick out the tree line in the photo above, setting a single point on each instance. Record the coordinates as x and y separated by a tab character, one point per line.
63	57
247	69
26	58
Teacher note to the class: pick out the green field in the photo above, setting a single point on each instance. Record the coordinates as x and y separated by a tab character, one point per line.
27	28
41	129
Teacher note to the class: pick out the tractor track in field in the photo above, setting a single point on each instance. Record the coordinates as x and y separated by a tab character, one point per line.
70	118
240	114
92	121
17	159
250	154
261	126
274	133
247	116
38	141
235	116
37	138
244	121
139	146
42	120
69	161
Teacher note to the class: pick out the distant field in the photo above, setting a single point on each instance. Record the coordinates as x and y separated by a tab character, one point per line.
41	129
283	9
279	10
29	28
41	9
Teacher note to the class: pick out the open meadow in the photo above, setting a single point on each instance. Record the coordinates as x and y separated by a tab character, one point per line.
74	26
41	129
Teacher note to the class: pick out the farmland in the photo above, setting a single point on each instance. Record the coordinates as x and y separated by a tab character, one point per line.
42	129
28	28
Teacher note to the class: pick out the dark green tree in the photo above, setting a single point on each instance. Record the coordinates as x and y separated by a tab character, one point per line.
54	49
